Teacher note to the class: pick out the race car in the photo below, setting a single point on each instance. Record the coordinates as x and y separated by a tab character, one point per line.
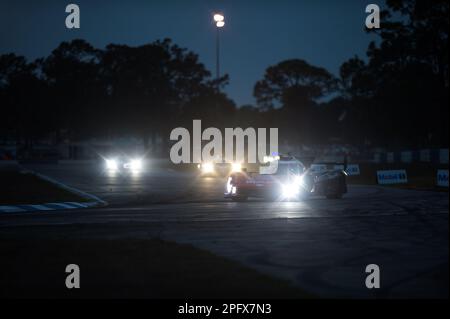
290	181
218	168
123	163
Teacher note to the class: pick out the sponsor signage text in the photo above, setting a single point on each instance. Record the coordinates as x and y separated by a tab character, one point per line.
442	177
392	177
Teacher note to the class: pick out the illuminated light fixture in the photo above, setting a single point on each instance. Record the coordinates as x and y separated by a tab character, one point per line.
218	17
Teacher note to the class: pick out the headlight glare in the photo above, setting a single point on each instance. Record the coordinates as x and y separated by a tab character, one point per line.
136	164
207	168
290	191
236	167
111	164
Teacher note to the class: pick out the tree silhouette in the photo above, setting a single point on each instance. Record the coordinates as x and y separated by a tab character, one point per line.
71	72
401	94
293	81
396	97
296	87
23	97
148	86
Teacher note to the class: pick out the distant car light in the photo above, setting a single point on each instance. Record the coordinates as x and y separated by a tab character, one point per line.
207	168
236	167
136	165
112	164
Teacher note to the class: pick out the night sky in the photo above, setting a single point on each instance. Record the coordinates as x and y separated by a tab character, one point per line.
257	33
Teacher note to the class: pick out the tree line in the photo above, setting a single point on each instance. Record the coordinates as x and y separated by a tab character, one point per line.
396	97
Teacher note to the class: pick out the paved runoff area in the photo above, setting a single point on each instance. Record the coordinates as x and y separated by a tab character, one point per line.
320	245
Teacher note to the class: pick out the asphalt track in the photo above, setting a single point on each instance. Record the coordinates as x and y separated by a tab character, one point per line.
320	245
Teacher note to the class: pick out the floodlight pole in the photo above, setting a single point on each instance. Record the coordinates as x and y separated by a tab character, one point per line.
217	56
219	21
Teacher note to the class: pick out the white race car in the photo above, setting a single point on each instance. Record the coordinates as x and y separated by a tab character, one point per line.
218	169
123	163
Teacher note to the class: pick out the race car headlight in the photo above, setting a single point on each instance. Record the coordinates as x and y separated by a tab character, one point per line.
136	164
112	164
208	168
236	167
290	190
299	180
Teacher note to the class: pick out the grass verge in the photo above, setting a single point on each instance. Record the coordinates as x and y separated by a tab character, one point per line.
19	188
129	268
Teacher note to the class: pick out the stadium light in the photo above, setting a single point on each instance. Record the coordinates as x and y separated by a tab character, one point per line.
218	17
219	20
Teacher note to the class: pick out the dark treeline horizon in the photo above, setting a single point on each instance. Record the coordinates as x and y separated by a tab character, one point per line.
398	98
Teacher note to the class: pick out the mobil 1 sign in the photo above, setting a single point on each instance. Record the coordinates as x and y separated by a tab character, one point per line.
392	177
442	177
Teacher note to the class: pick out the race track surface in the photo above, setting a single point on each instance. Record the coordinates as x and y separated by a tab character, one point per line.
321	245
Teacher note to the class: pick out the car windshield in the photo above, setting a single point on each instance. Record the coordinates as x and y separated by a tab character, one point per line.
290	169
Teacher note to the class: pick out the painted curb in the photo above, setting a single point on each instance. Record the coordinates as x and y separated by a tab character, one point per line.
71	189
94	201
46	207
